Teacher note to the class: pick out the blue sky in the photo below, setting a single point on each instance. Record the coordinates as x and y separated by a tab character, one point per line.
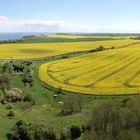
70	16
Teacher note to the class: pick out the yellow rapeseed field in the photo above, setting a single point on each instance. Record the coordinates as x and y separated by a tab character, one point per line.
87	36
108	72
41	50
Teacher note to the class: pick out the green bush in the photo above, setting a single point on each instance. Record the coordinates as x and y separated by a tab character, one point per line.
18	66
11	114
27	131
28	98
8	67
71	104
75	132
114	121
5	81
9	107
28	79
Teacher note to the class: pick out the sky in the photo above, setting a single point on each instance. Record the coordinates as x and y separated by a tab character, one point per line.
91	16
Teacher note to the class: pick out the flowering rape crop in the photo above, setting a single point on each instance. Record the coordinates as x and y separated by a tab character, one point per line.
42	50
111	72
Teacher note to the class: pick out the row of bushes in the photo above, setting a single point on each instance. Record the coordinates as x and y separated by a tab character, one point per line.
10	41
29	131
100	48
19	67
11	66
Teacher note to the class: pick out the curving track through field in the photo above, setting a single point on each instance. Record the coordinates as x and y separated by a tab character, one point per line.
109	72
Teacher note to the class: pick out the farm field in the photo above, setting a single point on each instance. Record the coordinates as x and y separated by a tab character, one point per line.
108	72
59	38
42	50
73	36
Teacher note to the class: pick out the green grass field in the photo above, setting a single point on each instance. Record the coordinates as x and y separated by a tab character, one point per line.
47	108
72	38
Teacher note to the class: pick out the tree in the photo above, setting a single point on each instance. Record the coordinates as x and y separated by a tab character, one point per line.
71	104
75	132
8	67
27	131
11	114
1	68
5	81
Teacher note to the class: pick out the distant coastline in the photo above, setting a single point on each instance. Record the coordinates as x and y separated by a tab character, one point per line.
20	35
14	36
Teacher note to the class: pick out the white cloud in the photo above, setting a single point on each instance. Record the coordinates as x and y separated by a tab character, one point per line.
8	25
34	25
2	18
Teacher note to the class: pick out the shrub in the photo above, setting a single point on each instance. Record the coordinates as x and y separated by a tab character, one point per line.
27	63
71	104
9	107
13	95
112	47
28	79
65	56
28	98
50	135
75	132
18	67
5	81
1	68
20	122
8	67
11	114
63	136
3	101
27	131
100	48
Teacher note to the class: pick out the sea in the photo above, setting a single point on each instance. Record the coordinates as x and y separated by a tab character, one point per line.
12	36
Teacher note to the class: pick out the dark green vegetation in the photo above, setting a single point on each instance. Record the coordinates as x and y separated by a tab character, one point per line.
40	39
51	113
30	110
115	121
108	120
53	40
10	41
60	40
136	38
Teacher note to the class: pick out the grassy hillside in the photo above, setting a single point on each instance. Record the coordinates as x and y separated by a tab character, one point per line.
46	110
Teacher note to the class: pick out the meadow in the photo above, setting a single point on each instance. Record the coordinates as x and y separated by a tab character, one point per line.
73	36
